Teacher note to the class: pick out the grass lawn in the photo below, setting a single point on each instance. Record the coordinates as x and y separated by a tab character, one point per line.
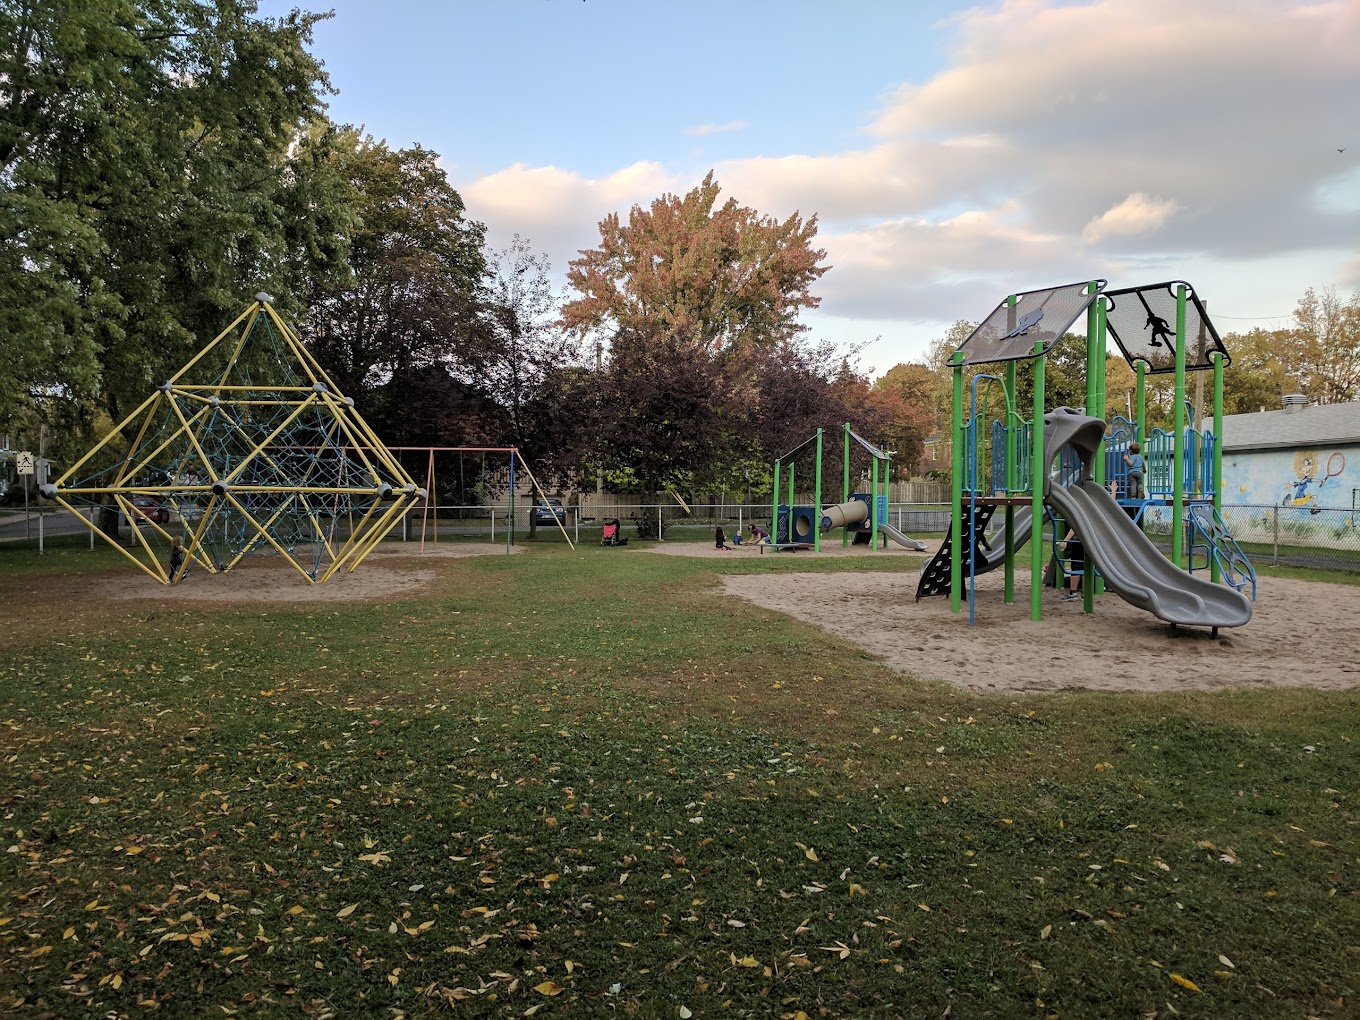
586	784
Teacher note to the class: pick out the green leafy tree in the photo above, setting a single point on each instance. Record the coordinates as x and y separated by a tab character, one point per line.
1256	377
145	163
415	265
1325	346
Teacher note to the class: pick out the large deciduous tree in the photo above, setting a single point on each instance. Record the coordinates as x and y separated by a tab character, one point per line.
522	356
410	298
1325	346
144	169
719	279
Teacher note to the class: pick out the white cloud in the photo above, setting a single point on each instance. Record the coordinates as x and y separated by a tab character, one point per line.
1115	138
700	130
558	210
1137	214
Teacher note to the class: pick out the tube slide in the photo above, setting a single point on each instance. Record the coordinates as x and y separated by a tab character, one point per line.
838	516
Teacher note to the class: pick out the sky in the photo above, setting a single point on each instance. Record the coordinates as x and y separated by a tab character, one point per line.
951	153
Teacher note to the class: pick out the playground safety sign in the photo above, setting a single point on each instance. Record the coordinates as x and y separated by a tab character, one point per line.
24	463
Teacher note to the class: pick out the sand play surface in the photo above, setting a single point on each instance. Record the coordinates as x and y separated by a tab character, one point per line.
388	572
1302	634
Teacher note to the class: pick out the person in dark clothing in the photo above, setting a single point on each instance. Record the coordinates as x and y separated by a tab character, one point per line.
1076	565
720	539
176	556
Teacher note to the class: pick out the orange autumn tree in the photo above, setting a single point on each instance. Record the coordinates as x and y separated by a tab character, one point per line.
726	279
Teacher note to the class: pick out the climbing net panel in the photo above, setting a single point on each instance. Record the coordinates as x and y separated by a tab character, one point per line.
1010	332
248	449
1142	321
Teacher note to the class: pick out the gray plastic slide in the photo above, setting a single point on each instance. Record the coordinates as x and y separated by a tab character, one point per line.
857	510
1132	566
911	543
996	538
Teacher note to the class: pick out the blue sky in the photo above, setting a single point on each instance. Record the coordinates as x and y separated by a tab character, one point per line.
953	153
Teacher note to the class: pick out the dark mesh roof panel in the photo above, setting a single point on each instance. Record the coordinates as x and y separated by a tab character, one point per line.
1011	331
1142	321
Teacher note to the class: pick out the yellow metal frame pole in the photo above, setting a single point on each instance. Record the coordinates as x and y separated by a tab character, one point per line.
115	431
97	531
267	537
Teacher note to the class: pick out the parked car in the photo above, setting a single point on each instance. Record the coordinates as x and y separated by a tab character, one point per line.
549	511
150	508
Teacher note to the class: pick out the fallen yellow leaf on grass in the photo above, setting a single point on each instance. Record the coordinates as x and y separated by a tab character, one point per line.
346	911
133	851
1184	982
1046	932
549	988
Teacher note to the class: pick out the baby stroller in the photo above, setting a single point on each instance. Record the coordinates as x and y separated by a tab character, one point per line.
610	535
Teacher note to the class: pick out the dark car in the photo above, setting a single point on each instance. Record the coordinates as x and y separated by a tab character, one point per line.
150	508
549	511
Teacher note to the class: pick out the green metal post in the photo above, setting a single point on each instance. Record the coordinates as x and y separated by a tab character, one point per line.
1012	482
956	492
1178	444
887	496
1218	448
793	498
774	506
1096	585
817	498
1036	505
1140	410
845	485
873	502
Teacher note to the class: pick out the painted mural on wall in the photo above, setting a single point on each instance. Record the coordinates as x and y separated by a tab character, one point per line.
1309	497
1306	495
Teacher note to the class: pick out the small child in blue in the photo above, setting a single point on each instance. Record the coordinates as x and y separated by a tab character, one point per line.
1134	459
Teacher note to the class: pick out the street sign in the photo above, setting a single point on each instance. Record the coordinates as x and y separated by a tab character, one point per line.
23	463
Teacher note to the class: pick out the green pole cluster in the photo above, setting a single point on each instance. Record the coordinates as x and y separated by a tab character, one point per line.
1178	444
1012	483
774	505
956	491
1218	448
817	498
845	485
1036	551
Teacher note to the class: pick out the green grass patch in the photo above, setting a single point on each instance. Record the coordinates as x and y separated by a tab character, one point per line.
579	784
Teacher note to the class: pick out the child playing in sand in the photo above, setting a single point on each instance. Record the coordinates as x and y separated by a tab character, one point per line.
176	556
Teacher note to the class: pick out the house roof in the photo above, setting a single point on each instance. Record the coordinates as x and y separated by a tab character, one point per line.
1318	425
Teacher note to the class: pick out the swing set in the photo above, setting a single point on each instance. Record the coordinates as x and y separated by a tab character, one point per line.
414	457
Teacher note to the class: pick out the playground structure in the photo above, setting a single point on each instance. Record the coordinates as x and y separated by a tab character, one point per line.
861	515
416	457
249	448
1059	473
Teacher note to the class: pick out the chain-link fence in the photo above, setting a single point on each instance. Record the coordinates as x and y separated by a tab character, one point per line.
1319	537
